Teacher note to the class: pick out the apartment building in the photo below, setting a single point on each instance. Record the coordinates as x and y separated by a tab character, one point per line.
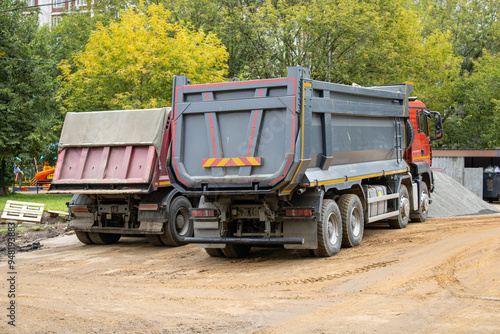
52	11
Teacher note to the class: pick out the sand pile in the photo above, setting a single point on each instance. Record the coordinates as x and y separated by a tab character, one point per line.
450	199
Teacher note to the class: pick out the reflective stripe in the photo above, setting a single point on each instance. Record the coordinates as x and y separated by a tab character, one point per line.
232	162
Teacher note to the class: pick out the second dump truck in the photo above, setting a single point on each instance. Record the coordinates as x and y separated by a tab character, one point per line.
297	162
114	162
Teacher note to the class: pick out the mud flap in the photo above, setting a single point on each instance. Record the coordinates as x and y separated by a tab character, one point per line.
151	227
81	223
207	229
305	229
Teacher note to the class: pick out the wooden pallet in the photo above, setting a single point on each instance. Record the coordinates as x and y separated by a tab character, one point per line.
22	212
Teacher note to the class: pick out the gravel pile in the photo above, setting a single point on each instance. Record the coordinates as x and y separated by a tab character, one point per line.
450	199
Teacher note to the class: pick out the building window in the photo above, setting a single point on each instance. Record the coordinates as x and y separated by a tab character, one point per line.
58	3
79	3
56	20
30	3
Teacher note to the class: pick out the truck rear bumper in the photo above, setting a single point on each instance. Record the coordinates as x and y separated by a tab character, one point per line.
144	228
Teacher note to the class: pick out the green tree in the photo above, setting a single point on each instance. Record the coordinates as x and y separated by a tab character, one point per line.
27	89
130	63
477	121
474	25
344	41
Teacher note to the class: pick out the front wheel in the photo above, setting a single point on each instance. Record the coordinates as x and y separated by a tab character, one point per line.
401	221
329	230
423	210
179	225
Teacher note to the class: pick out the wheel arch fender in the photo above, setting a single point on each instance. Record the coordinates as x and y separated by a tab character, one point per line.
311	198
421	170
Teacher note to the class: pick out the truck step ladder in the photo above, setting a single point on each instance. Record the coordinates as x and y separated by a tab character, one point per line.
399	140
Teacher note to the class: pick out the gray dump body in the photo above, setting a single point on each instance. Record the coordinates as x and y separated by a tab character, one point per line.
278	135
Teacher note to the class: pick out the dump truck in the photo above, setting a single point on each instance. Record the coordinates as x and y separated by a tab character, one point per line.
298	163
114	162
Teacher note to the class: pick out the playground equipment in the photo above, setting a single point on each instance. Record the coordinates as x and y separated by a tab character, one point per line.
29	179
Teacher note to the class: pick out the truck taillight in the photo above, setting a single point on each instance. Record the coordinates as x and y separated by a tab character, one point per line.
79	208
203	212
298	212
148	207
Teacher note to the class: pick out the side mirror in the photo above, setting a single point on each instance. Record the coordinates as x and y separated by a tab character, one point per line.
438	125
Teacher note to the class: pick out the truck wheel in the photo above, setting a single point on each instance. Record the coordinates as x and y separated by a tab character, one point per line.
215	252
404	209
305	252
104	238
154	240
235	251
410	133
423	209
329	231
353	225
179	225
84	237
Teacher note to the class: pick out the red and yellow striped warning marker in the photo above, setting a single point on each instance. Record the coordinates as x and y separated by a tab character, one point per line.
232	162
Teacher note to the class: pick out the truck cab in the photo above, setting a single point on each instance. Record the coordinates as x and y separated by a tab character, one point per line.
420	118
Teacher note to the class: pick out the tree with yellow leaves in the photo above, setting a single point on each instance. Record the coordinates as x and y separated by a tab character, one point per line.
130	63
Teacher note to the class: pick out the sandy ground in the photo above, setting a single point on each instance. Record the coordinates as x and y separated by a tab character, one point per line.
442	276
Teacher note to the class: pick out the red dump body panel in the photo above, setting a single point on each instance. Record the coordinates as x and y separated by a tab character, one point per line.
113	152
104	165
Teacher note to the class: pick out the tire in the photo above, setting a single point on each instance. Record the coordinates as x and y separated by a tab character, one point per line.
80	199
236	251
305	252
179	225
84	237
404	209
410	134
423	209
329	231
104	238
215	252
154	240
353	225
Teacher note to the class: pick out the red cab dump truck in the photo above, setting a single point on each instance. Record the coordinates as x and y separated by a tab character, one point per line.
298	162
115	164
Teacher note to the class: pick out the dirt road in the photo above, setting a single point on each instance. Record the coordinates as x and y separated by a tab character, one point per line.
442	276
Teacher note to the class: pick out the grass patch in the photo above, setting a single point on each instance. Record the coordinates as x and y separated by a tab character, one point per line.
52	202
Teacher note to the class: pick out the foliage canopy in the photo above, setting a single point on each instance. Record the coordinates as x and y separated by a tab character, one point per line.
131	62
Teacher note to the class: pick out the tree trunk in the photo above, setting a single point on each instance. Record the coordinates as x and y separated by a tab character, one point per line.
3	186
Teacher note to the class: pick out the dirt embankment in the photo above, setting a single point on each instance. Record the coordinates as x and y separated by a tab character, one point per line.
442	276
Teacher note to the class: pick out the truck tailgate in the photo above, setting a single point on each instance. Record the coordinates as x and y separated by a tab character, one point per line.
234	135
110	151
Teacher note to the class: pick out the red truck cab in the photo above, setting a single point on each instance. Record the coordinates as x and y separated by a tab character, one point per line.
420	117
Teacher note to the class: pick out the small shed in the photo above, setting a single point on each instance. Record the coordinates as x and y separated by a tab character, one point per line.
466	166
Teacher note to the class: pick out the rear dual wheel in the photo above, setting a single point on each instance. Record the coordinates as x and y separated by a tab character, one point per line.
329	230
104	238
84	237
353	223
231	251
178	226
